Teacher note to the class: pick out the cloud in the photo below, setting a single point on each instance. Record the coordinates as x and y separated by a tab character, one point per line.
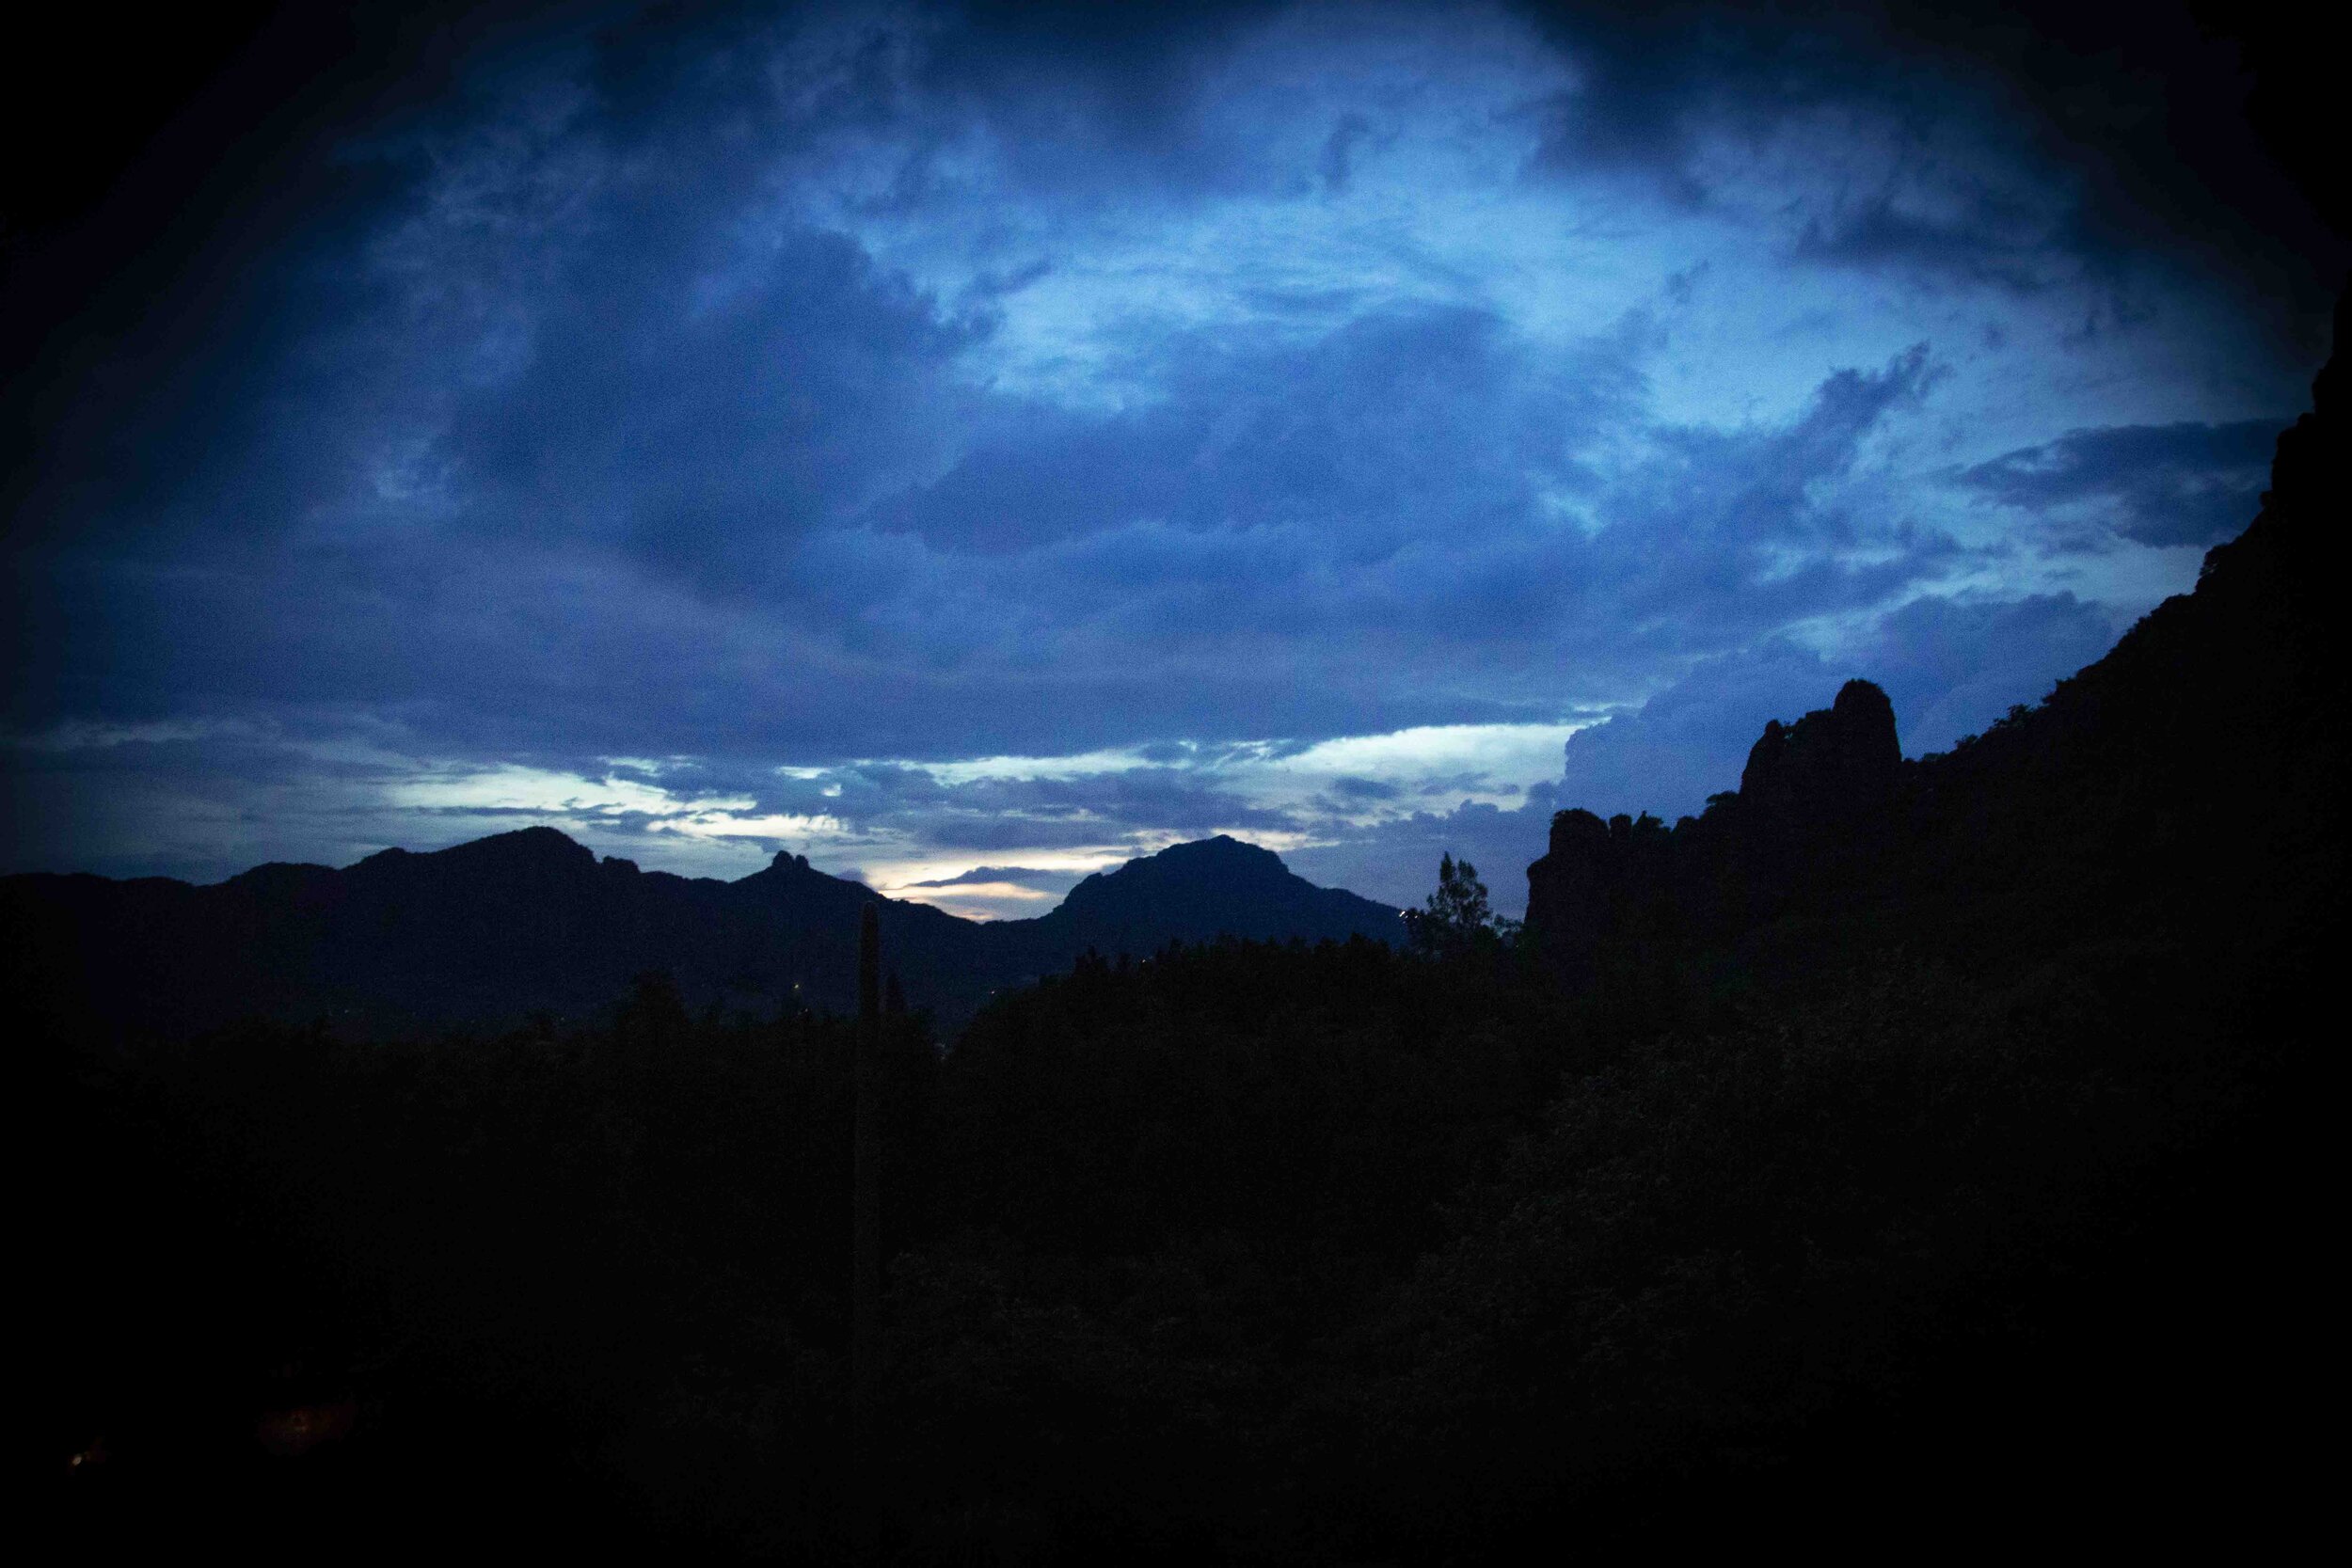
819	405
1971	139
1952	665
1352	538
2188	484
1980	237
1692	740
1336	164
1375	429
1020	875
1722	535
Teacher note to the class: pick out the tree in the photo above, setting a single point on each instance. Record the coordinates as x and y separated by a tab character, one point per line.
1457	916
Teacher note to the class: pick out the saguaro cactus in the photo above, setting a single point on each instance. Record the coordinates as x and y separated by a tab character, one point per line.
865	1181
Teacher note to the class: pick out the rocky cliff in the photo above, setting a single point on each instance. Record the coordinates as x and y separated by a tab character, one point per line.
2193	771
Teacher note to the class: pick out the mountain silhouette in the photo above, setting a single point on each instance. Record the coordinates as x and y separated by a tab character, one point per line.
1196	892
490	932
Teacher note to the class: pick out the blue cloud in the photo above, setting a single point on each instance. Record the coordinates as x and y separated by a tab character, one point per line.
751	389
1020	875
2188	484
1336	164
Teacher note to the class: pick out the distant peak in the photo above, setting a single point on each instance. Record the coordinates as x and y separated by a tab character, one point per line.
536	838
538	845
1207	888
787	867
1865	701
789	876
1223	861
1223	847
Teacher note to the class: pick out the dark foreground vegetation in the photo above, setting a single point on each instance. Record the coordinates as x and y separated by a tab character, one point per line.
1248	1252
1903	1154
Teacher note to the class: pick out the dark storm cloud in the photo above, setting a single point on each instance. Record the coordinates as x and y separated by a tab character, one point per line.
703	447
616	395
1281	501
1293	497
648	381
1952	666
1128	74
1723	534
2159	485
1336	164
999	810
1391	420
1267	533
1990	241
2134	120
1101	806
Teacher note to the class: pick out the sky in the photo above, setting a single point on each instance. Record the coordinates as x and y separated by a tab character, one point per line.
970	446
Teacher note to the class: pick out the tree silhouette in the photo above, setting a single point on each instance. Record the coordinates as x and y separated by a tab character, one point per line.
1457	916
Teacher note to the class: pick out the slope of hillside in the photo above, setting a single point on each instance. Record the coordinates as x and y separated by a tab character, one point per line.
2166	810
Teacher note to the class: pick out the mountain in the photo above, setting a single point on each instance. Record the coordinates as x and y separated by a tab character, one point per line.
490	932
1195	892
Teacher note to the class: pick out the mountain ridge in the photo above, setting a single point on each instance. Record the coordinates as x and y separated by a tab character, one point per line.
493	931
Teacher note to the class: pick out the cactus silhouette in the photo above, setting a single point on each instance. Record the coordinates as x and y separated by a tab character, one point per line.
865	1174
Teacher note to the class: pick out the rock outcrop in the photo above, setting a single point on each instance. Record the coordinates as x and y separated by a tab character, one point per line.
1627	898
1837	765
1602	885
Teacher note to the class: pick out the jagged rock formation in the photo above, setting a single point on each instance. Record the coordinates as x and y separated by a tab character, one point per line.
1602	886
1837	765
1818	798
2192	771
